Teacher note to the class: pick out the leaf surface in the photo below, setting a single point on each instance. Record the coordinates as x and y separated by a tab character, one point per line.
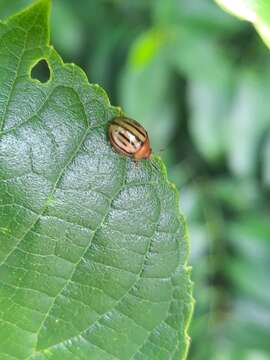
93	249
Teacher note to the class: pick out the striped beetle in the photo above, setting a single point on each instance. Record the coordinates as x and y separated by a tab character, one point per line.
128	137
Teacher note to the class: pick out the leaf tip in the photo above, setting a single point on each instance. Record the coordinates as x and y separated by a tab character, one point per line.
36	15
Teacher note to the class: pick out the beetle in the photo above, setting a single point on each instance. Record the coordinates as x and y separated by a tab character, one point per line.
129	138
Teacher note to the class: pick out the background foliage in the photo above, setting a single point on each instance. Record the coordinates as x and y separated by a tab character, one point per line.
199	80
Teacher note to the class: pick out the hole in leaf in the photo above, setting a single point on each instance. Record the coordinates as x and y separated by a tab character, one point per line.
41	71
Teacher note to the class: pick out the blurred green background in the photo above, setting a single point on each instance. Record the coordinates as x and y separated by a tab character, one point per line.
199	81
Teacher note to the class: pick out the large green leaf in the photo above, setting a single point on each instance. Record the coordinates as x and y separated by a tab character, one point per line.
93	249
255	11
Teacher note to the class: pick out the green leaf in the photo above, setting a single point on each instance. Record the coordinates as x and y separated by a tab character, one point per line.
255	11
93	249
243	138
209	98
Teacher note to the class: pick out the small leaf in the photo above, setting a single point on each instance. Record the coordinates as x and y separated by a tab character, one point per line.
243	138
93	250
255	11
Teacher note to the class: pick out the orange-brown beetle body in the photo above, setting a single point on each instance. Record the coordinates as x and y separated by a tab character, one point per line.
128	137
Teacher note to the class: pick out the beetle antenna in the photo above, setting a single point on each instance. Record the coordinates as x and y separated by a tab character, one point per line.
161	150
